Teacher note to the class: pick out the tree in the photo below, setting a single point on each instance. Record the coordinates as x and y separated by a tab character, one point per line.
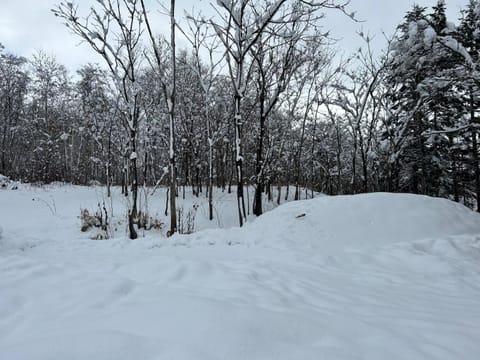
169	88
239	29
278	55
469	75
51	90
98	128
113	29
410	66
13	90
200	39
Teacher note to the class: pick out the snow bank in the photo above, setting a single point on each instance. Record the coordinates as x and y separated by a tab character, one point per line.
331	224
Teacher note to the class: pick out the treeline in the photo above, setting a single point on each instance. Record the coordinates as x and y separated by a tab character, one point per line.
261	99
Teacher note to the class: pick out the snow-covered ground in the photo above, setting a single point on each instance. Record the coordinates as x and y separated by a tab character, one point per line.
378	276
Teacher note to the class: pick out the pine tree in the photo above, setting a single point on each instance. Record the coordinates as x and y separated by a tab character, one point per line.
408	69
469	82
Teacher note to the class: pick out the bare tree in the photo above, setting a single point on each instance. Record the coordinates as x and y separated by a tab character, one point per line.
207	74
13	89
169	89
278	56
113	29
239	29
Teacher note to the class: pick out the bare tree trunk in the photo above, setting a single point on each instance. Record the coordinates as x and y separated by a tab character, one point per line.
248	199
132	214
354	167
173	170
269	190
365	170
257	202
198	183
456	196
210	175
166	201
109	157
4	145
127	177
134	172
339	162
239	161
475	152
299	154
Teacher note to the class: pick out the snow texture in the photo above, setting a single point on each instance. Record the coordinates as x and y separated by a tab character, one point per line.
376	276
429	36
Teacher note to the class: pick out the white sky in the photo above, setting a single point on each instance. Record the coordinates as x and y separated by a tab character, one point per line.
27	26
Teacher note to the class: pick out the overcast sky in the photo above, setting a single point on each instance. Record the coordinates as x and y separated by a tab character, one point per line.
27	26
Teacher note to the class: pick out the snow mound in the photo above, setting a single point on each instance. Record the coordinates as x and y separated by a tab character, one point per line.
330	224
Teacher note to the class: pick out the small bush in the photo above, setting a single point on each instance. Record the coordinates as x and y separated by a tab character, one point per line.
98	220
144	221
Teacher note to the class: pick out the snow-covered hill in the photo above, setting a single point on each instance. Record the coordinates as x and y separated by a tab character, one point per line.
378	276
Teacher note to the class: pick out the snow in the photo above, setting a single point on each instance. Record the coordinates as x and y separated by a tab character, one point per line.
454	45
412	33
378	276
429	36
7	183
451	27
365	221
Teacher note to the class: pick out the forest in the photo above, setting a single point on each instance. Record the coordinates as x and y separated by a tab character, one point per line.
262	96
234	182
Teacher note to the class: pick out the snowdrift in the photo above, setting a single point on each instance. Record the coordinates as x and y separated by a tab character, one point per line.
330	224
